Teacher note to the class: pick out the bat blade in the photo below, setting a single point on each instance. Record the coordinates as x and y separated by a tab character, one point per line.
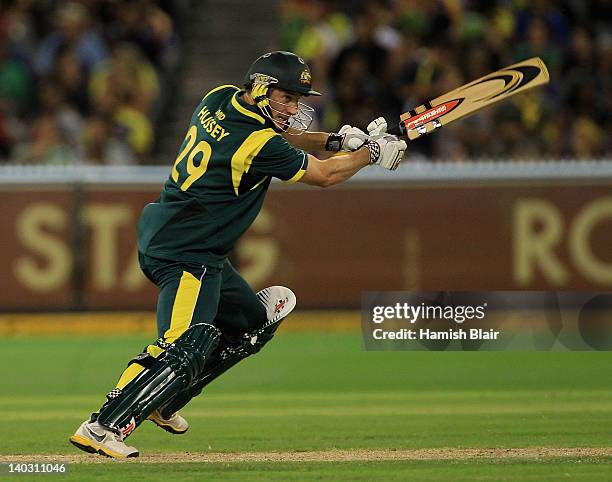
470	98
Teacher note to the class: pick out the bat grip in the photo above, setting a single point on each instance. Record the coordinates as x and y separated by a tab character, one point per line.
398	130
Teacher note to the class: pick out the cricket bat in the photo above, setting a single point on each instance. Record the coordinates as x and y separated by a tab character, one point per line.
472	97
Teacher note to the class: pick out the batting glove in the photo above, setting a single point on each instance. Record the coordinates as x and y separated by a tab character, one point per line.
386	150
347	139
377	127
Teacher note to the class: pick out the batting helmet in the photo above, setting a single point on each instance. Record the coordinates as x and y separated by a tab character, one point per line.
290	72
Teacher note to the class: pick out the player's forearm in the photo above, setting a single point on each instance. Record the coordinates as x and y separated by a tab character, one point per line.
344	166
308	141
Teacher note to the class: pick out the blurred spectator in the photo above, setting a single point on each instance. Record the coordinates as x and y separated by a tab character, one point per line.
137	129
53	103
143	24
364	46
15	81
538	43
358	76
71	76
129	75
17	25
48	144
587	139
15	92
74	29
102	144
322	33
131	126
54	137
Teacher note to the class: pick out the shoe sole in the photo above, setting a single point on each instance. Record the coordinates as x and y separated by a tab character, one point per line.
168	428
91	447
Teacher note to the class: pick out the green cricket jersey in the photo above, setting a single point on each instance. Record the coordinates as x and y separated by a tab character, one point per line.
218	182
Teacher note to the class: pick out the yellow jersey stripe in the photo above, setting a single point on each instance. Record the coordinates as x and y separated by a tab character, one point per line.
298	175
245	111
225	86
184	304
243	157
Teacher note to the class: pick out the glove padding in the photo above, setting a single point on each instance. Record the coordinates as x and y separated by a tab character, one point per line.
353	138
386	150
347	139
377	127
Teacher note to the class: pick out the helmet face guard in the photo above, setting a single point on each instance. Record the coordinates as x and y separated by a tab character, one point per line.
298	123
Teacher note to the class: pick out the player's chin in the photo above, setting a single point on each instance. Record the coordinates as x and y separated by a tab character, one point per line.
282	124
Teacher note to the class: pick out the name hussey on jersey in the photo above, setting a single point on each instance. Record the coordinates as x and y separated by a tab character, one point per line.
210	125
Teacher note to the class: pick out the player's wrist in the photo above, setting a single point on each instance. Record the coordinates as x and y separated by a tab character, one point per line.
363	156
334	142
373	149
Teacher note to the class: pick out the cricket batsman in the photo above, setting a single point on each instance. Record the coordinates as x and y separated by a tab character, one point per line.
208	317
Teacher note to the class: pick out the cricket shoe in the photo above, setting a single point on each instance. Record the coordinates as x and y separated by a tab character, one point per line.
173	424
96	439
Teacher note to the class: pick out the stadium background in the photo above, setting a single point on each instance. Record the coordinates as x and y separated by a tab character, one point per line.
95	93
95	96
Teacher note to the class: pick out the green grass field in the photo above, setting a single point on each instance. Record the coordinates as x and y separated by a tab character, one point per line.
321	392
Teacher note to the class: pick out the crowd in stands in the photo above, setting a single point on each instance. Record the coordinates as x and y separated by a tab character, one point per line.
84	81
374	57
87	81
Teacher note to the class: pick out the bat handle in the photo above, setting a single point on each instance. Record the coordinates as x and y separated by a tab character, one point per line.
398	130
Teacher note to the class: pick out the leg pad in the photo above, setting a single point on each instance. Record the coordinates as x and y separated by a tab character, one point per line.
156	385
279	302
